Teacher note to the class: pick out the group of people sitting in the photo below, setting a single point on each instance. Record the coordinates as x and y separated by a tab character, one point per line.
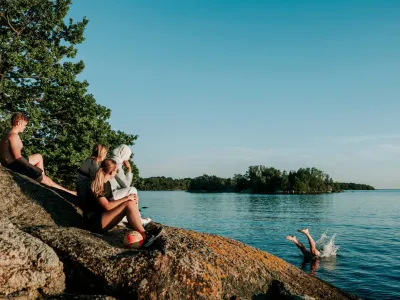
103	187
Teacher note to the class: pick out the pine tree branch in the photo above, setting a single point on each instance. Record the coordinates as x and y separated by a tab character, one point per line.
28	21
12	28
61	112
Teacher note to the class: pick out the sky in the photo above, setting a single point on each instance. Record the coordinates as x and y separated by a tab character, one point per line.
215	86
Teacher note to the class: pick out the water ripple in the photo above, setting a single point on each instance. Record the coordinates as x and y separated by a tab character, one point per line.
366	223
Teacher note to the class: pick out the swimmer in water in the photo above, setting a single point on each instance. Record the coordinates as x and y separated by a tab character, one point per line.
308	254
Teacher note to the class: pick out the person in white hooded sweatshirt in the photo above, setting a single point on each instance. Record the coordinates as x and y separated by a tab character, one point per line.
121	183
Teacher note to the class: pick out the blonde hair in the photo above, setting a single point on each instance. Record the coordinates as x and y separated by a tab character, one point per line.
98	151
107	167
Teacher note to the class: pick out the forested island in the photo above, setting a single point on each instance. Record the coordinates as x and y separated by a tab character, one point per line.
257	180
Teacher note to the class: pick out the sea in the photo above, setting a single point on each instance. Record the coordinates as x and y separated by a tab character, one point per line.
358	232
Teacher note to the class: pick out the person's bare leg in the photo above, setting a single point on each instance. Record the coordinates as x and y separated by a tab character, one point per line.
298	244
47	181
111	218
129	209
37	161
123	192
134	218
313	248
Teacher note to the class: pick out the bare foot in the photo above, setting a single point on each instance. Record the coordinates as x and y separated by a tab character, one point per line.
304	230
291	238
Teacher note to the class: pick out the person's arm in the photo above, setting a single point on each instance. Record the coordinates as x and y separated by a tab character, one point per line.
16	145
109	205
124	180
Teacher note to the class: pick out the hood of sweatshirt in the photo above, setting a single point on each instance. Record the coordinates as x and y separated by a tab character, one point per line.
121	153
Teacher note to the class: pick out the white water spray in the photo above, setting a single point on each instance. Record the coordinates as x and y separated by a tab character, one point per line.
327	246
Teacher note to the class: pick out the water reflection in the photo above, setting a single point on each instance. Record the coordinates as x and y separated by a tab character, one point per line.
263	221
311	266
329	263
273	207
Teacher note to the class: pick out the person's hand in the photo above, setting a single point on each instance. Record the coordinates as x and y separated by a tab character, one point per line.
134	198
127	165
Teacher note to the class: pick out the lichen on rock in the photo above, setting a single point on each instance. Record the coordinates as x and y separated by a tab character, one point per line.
184	265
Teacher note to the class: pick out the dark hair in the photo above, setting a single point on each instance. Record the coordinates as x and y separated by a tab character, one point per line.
17	117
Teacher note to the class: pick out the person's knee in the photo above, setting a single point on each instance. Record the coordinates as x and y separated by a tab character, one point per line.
132	190
38	156
131	205
47	181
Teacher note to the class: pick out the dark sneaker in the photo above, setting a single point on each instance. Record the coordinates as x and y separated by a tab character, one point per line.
152	236
145	221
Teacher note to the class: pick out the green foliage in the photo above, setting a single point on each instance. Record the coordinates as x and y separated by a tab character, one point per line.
353	186
38	76
258	179
263	180
208	183
162	184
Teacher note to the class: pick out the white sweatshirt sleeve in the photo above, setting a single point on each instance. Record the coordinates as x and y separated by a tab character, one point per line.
124	180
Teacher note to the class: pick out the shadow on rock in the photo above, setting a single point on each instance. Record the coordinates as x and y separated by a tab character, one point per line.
55	202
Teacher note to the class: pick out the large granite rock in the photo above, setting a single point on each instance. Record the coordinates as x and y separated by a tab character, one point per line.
187	264
27	203
194	266
28	265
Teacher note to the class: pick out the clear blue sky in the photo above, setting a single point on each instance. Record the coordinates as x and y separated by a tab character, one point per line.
216	86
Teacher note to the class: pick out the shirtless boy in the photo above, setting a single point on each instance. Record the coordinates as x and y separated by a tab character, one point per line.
11	157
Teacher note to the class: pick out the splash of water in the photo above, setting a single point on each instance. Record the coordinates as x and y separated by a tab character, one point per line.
327	246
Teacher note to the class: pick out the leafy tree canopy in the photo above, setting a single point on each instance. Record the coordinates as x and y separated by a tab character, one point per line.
38	76
258	179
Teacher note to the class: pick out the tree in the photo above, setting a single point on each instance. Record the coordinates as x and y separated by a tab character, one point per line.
38	76
285	182
208	183
240	182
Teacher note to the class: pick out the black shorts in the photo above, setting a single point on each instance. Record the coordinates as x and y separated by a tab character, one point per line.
24	170
92	221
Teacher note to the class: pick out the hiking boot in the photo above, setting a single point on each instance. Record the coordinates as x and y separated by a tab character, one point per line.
152	236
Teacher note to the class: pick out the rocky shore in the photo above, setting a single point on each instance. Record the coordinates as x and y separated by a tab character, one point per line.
45	253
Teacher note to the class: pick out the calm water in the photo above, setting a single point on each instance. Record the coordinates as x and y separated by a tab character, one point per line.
366	224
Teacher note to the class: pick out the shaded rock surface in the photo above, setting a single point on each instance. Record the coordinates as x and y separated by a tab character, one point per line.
184	265
81	297
27	264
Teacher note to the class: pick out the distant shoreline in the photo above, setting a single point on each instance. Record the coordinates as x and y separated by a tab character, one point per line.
257	180
248	193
